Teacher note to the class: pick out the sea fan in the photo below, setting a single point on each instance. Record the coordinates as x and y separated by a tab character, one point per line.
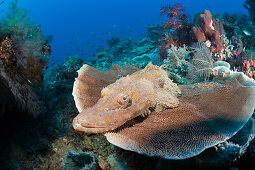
200	67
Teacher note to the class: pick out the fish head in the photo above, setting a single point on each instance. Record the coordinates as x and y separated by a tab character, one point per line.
120	102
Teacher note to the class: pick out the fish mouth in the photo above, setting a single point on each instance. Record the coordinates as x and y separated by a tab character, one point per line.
82	127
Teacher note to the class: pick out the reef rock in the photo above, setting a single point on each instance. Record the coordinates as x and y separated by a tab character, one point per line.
80	160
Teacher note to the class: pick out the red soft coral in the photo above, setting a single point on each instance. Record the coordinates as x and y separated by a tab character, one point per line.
175	28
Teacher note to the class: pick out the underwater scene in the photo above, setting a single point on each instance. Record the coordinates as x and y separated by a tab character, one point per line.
127	84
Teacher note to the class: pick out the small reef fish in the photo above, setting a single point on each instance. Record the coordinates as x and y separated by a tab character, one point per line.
191	87
246	32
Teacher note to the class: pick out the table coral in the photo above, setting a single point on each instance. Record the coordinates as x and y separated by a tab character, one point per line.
207	113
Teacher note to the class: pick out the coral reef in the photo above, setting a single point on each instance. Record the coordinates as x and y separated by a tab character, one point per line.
118	54
143	60
143	47
22	67
196	125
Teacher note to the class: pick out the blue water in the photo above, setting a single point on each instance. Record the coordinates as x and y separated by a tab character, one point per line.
80	26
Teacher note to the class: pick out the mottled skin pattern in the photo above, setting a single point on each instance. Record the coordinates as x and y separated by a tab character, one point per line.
134	95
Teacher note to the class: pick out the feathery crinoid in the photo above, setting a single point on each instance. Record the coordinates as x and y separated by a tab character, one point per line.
200	67
175	57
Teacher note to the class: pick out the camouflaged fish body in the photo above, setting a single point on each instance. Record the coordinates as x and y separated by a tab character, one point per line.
135	95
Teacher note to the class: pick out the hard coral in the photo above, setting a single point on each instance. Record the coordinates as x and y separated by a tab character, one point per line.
60	78
196	124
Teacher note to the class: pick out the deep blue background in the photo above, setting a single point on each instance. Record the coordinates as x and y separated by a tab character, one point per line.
79	26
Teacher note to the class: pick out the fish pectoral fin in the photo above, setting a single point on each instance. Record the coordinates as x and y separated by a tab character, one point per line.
165	100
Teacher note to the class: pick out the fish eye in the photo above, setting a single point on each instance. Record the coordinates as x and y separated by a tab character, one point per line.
125	97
